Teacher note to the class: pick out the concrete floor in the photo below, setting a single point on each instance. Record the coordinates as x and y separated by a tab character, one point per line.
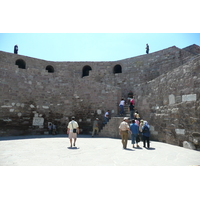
55	151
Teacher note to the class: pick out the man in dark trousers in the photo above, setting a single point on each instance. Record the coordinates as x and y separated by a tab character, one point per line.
15	49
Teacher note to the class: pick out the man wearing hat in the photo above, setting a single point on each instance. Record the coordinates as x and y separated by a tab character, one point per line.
72	130
95	127
123	131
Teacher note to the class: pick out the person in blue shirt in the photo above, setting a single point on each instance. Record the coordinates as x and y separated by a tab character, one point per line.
134	132
146	134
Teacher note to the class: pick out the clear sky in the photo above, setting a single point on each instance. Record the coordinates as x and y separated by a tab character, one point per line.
92	46
100	30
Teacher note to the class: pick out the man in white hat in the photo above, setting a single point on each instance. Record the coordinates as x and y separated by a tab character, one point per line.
72	130
123	131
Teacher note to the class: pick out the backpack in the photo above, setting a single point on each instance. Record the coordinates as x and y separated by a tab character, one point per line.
146	129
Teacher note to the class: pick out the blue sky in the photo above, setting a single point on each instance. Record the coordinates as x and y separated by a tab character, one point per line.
92	46
106	30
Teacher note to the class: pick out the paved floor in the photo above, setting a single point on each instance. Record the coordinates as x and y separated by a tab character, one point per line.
55	151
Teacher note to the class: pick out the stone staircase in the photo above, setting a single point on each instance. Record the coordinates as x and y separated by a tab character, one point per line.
111	129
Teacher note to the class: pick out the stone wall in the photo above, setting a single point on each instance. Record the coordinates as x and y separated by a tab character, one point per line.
165	84
171	104
32	97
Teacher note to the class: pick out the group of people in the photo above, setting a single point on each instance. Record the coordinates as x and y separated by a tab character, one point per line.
52	129
139	130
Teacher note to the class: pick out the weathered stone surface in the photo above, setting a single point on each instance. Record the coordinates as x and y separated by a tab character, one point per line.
188	145
165	86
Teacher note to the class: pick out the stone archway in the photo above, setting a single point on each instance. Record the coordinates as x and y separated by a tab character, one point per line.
86	70
117	69
21	64
50	69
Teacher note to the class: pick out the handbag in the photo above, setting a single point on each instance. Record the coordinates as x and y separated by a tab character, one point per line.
74	129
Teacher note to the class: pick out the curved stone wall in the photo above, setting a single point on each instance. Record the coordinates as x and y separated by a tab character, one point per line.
35	92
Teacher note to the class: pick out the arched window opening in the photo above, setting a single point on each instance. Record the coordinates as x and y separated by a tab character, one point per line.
21	64
86	70
50	69
117	69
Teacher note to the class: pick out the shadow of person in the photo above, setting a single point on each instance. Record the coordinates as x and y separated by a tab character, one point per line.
129	149
138	147
73	148
150	148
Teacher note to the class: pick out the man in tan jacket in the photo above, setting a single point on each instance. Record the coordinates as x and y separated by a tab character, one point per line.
123	131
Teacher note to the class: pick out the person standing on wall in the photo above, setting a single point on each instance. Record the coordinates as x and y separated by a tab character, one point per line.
123	131
72	130
147	48
15	49
146	134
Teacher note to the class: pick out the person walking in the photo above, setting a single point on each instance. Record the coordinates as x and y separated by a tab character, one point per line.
132	110
134	133
95	127
121	106
72	130
146	134
123	131
107	117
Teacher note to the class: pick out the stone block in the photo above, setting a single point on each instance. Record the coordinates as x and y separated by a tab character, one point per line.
188	145
180	131
171	99
189	97
38	121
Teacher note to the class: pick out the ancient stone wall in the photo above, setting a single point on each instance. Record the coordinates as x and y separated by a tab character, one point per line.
165	84
32	96
171	104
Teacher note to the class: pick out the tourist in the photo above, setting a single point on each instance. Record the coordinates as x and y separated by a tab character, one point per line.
134	133
95	127
147	48
107	117
72	130
15	49
132	101
54	129
130	96
123	131
140	128
131	110
136	115
121	106
146	134
50	127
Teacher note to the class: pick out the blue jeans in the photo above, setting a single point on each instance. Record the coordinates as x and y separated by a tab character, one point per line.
133	138
121	109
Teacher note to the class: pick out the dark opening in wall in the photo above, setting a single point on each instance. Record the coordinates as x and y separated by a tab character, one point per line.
21	64
50	69
86	70
117	69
